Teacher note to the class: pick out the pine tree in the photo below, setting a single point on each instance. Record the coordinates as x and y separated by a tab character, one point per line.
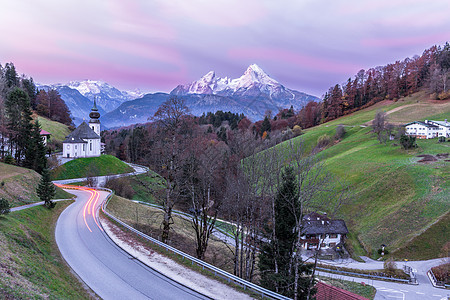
46	189
18	110
35	153
275	259
265	126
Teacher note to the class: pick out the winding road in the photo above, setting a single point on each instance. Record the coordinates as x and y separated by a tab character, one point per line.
109	271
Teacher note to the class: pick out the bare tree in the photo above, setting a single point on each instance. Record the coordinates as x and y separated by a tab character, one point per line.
166	156
203	184
379	125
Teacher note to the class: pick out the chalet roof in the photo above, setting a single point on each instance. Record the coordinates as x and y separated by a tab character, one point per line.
315	223
81	133
429	125
43	132
328	292
444	123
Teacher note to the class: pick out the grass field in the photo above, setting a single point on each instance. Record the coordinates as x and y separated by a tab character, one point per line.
31	266
396	198
18	185
148	220
58	130
93	166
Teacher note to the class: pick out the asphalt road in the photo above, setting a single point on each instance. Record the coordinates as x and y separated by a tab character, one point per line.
105	268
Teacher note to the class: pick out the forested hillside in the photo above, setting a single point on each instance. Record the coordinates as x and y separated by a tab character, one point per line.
20	139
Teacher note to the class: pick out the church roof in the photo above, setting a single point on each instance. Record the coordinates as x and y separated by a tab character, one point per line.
82	132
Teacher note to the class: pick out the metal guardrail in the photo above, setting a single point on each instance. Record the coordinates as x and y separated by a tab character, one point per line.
216	271
362	275
437	283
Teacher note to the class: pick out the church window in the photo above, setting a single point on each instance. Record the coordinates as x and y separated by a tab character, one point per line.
90	146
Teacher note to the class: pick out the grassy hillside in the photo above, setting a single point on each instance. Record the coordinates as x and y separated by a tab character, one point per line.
93	166
18	185
31	266
396	198
58	130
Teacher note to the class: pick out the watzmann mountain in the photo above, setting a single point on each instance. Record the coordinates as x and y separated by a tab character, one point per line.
252	94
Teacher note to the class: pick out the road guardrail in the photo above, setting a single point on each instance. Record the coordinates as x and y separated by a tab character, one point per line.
216	271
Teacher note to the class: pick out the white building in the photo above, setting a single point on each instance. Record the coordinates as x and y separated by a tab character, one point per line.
319	230
422	130
84	141
444	127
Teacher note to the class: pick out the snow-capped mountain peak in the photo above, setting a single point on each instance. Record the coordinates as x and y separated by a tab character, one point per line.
253	77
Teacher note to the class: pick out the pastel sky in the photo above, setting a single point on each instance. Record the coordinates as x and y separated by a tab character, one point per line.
154	45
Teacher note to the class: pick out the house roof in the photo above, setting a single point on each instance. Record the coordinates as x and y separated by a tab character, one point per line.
43	132
441	123
315	223
423	124
329	292
80	133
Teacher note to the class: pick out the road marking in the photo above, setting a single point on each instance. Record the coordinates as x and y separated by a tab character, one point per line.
437	295
420	293
404	291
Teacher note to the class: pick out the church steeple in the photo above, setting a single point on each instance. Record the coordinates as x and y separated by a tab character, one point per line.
94	122
94	114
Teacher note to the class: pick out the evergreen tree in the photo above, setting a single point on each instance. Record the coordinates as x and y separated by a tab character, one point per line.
265	126
18	110
4	206
275	259
46	189
35	153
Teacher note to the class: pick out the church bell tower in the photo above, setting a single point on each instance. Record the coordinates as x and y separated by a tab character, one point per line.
94	122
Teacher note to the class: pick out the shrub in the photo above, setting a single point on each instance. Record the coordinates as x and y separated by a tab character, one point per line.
340	132
122	187
9	160
4	206
390	267
444	95
441	139
323	141
297	130
408	142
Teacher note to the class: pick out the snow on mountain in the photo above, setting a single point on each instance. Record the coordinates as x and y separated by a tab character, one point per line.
254	89
107	96
253	78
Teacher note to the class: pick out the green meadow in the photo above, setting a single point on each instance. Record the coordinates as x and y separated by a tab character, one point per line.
395	198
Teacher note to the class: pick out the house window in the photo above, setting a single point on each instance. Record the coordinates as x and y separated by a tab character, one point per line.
333	235
76	147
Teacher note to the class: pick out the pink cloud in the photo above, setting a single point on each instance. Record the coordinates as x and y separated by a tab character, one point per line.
223	13
299	59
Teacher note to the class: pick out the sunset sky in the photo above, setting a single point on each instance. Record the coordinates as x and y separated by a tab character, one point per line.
154	45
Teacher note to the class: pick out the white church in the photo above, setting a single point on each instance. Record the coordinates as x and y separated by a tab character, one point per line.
85	140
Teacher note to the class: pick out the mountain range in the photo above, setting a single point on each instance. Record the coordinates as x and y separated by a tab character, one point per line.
252	94
79	97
